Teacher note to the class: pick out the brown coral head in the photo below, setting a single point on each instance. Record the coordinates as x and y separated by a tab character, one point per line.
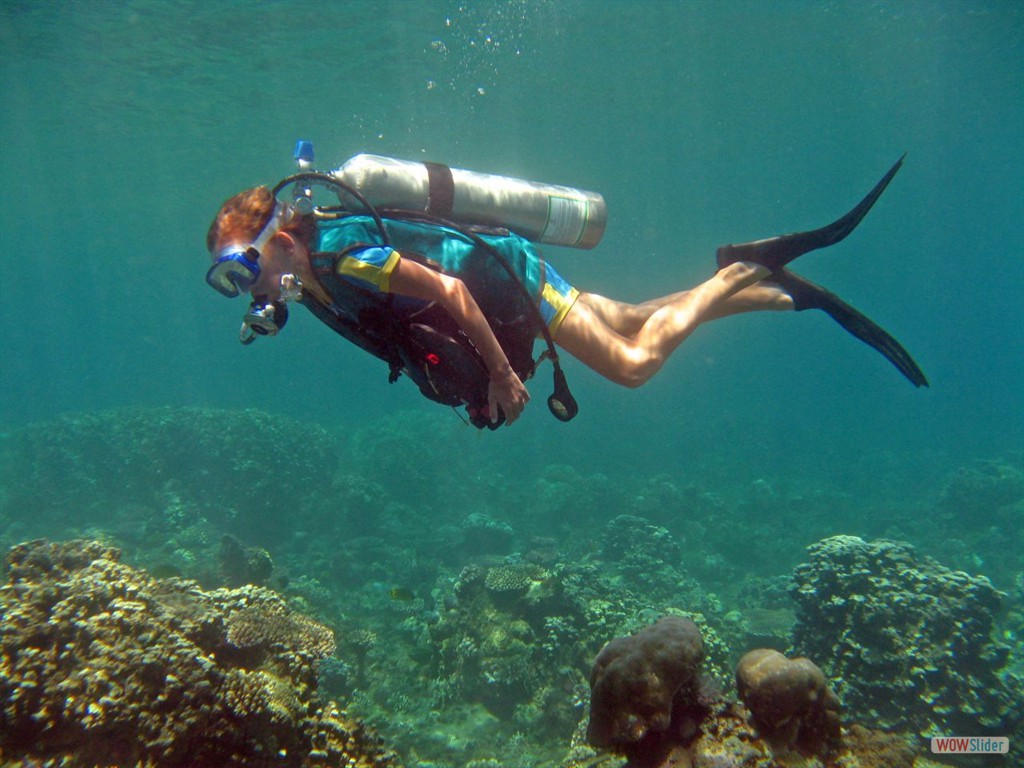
636	679
789	699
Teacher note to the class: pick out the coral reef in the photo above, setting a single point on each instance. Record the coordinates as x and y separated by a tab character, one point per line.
908	642
645	556
516	641
641	684
147	474
103	664
789	700
633	537
268	621
984	490
495	644
793	720
979	509
471	595
241	565
483	535
514	577
728	739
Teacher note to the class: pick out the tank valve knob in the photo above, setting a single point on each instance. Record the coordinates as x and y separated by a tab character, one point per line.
302	197
304	154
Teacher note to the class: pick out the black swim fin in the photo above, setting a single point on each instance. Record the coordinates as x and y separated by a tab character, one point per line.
777	252
807	295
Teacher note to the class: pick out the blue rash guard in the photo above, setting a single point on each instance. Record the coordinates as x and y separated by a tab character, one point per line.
420	339
347	251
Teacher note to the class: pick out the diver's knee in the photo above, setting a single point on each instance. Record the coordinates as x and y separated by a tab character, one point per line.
638	369
635	381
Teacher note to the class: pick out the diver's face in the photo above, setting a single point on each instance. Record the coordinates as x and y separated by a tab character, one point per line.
271	269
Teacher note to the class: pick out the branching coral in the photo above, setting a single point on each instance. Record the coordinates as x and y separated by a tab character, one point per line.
270	622
513	577
102	664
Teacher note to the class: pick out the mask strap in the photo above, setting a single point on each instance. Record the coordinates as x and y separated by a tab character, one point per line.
281	216
279	219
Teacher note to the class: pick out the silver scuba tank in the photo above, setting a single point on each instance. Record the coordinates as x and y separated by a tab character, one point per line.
543	213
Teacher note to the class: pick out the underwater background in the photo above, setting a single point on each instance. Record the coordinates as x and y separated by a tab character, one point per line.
129	410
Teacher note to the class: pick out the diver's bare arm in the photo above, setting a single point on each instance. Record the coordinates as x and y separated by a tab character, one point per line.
417	281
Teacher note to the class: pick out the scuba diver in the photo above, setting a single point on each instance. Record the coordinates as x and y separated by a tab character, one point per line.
434	271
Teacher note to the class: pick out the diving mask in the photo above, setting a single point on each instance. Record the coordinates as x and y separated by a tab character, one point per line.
237	267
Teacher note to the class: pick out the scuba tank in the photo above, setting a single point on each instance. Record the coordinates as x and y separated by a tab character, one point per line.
543	213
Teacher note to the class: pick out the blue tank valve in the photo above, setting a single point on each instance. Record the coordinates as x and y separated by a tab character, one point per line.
302	196
304	154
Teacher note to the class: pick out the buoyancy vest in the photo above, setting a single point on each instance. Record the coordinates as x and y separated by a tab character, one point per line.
424	341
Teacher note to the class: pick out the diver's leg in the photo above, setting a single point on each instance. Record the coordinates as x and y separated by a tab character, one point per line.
632	360
762	296
627	319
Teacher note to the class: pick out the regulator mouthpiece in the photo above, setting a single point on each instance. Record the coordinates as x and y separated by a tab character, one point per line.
264	318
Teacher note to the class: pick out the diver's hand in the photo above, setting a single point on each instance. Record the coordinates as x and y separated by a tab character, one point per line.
506	391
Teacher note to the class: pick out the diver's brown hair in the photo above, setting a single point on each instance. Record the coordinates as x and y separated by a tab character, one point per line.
243	216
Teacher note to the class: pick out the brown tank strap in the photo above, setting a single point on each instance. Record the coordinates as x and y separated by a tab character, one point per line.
441	190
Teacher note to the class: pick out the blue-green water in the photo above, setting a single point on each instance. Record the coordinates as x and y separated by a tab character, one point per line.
124	125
